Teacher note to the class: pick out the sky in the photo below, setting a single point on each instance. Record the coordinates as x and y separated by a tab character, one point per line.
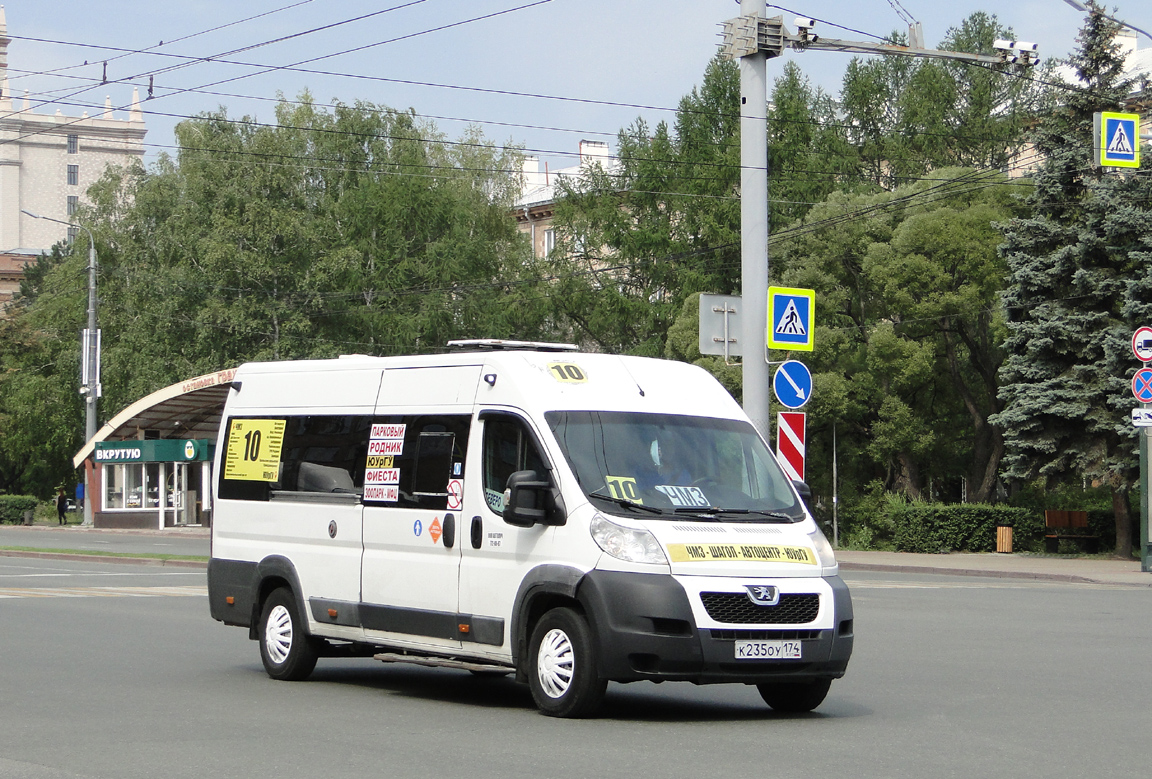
542	74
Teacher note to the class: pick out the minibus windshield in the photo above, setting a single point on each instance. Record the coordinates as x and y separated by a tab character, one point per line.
674	466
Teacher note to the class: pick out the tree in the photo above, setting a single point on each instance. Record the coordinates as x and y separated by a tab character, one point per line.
808	152
41	413
907	284
359	229
635	240
905	117
1079	266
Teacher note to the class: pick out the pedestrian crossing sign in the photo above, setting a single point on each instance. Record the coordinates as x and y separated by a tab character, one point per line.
790	318
1117	140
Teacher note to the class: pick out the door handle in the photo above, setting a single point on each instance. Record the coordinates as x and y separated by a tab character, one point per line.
449	531
477	532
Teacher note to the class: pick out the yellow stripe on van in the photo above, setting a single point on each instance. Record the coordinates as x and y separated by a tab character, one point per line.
740	553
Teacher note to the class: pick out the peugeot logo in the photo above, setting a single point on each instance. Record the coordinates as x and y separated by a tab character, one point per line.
763	594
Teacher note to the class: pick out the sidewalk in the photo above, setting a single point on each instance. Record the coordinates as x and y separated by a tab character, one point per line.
1011	566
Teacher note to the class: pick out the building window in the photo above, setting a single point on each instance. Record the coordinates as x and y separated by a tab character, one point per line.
73	233
73	144
73	204
73	175
549	241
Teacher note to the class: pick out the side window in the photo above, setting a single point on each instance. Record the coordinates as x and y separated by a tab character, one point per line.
267	457
324	454
412	460
508	448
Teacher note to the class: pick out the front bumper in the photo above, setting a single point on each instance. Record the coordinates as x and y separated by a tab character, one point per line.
648	626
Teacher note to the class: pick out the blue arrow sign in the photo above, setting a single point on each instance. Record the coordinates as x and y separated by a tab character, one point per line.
792	384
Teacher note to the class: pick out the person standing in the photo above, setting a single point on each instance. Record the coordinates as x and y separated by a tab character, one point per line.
61	505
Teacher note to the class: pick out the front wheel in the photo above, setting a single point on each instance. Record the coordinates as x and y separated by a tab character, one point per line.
794	696
563	673
287	651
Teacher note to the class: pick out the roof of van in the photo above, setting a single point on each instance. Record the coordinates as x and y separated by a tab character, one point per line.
530	379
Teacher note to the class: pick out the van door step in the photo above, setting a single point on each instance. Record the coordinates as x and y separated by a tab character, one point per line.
444	662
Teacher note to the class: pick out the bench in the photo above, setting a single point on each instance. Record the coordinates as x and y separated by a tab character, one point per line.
1071	525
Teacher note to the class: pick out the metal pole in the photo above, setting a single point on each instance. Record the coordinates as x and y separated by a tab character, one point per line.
754	227
835	495
1145	498
93	369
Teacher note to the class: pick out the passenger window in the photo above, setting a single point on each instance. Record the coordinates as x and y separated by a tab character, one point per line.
412	459
508	447
313	454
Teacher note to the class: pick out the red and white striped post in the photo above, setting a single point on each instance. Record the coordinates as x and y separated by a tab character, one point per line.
790	443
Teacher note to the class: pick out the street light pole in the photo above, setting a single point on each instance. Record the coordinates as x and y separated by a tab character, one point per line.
91	355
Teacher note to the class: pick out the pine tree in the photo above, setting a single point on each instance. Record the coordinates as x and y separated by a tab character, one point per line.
1078	267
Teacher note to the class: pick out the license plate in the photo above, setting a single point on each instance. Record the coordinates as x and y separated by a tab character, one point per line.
767	650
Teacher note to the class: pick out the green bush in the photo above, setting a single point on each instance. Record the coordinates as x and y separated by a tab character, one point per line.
964	527
867	521
12	507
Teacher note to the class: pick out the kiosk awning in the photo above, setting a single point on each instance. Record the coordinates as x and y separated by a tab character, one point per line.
188	409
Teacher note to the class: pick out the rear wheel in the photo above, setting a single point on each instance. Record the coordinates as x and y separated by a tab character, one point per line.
289	653
794	696
563	667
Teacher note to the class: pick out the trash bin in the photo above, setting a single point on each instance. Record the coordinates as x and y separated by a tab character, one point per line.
1004	539
28	516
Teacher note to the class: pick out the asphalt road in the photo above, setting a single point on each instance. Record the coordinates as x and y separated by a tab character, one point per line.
75	537
117	671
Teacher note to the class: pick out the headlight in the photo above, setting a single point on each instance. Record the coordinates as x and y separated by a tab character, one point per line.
824	552
625	543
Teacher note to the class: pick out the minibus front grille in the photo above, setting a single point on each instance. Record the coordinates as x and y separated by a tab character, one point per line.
738	634
735	608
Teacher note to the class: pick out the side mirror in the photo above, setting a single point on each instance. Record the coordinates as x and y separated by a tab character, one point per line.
528	501
804	490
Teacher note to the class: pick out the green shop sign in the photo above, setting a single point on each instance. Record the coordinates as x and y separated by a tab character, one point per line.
155	451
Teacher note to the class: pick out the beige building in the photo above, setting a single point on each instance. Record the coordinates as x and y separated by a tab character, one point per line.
534	209
48	159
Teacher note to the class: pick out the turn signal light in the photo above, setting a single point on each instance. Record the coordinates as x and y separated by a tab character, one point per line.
464	628
332	613
230	601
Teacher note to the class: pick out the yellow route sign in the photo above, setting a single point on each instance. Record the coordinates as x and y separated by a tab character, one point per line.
253	452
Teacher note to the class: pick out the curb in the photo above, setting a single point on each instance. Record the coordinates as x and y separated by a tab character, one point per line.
105	558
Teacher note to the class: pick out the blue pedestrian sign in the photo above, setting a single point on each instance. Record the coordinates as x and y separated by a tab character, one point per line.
790	318
792	384
1142	385
1117	139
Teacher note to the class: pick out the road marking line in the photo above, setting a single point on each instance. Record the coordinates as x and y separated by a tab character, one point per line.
102	592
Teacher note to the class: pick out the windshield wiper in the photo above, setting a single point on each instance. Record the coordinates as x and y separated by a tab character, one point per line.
627	503
713	511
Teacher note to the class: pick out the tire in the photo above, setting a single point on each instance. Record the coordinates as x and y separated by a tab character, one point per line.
562	671
288	652
794	696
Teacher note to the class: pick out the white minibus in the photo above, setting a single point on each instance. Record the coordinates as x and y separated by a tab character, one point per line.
520	508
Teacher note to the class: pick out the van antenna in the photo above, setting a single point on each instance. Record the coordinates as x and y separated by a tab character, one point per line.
633	378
